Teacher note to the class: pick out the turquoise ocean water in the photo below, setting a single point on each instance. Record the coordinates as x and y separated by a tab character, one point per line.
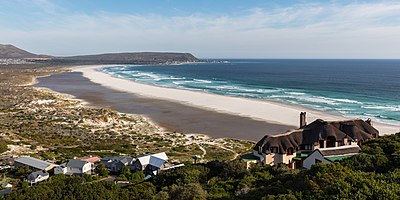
352	88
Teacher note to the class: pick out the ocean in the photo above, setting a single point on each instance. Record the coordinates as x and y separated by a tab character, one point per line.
351	88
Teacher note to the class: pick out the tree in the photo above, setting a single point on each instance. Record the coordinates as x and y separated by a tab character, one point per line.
101	170
23	171
189	191
24	184
136	177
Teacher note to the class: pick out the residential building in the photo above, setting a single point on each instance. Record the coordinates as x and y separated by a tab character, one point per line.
151	164
6	185
115	164
331	138
38	176
33	163
90	158
74	167
327	155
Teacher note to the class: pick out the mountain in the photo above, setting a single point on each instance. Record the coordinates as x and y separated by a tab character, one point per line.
10	51
131	58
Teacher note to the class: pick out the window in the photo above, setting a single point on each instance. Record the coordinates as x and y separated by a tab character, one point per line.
330	141
321	144
273	149
289	151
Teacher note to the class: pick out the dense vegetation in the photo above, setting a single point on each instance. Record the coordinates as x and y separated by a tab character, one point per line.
375	174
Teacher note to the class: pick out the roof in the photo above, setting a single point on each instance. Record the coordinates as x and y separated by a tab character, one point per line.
156	160
6	191
356	130
161	155
6	184
340	151
123	159
90	158
76	163
34	162
35	175
335	158
249	157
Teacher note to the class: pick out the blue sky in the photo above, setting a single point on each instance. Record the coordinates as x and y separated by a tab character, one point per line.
206	28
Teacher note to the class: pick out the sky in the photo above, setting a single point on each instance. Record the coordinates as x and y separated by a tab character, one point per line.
205	28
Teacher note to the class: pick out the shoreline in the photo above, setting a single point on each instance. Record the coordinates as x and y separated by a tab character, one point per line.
168	115
268	111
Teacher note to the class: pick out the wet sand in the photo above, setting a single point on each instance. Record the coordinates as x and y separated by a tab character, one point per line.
172	116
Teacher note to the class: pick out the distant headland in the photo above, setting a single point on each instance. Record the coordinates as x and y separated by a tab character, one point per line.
10	54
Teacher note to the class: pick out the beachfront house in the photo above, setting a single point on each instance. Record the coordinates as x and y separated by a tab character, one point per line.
320	141
38	176
115	164
151	164
74	166
327	155
33	163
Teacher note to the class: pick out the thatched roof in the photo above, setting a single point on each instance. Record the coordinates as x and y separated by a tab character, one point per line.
353	130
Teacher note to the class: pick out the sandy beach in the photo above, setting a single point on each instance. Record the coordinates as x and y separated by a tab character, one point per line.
270	112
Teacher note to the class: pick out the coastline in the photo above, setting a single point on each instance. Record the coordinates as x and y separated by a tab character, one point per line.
171	116
268	111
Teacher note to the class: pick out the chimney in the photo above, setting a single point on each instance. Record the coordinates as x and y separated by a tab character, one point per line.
303	122
369	121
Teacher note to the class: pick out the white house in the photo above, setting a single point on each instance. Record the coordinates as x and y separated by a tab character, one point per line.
36	177
61	169
327	155
74	167
6	185
151	163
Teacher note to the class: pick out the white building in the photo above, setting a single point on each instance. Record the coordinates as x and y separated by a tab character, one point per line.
74	167
37	177
327	155
151	164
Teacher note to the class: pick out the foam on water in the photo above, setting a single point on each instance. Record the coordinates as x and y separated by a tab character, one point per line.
345	104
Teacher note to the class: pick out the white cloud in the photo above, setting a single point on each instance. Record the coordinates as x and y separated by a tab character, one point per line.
303	30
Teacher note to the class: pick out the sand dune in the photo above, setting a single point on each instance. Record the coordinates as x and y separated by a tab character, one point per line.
268	111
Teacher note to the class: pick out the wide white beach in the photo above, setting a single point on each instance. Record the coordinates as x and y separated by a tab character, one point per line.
268	111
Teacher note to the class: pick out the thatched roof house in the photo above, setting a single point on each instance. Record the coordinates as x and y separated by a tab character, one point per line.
353	130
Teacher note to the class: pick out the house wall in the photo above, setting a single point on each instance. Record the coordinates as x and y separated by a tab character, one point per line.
42	178
85	169
261	156
39	179
60	170
269	158
288	158
17	164
310	160
275	158
138	166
